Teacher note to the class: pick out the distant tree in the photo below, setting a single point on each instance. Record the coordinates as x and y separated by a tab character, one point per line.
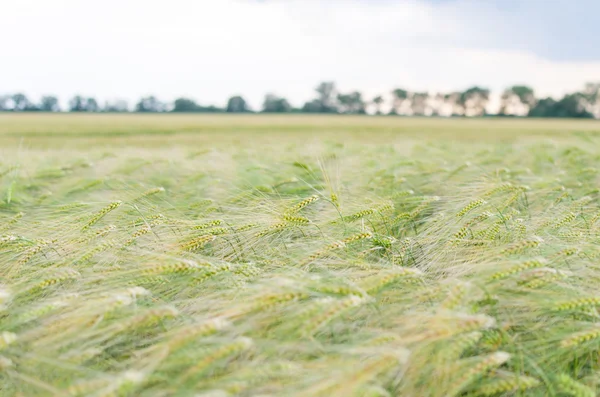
453	104
377	102
314	106
591	93
21	103
475	100
81	104
572	105
49	104
4	99
275	104
327	92
77	104
351	103
517	100
92	105
117	106
418	103
237	104
150	104
186	105
399	101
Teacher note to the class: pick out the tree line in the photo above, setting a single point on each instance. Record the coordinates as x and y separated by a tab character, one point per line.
518	100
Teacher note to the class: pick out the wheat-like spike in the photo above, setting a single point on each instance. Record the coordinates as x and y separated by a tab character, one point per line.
216	222
521	267
273	228
151	316
505	187
337	245
379	282
30	253
469	207
402	193
423	206
562	197
510	201
237	346
182	267
302	204
543	276
246	227
100	248
570	386
211	272
479	218
184	335
522	246
581	337
356	237
458	346
485	364
100	214
564	221
197	243
455	296
296	220
149	192
511	384
360	214
13	220
460	324
578	304
332	309
62	275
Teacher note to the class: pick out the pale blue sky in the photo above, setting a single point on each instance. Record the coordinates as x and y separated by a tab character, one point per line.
557	29
211	49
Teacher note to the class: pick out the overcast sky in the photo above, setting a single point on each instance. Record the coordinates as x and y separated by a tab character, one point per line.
211	49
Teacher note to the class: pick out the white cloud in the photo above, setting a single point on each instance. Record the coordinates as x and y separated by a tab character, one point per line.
210	49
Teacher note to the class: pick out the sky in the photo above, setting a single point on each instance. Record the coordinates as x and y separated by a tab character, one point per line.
209	50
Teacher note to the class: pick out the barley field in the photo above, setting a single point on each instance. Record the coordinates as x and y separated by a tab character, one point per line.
183	255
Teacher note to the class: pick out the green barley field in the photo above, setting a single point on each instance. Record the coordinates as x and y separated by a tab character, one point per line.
185	255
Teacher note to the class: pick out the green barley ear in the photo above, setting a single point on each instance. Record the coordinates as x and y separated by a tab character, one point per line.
197	243
187	334
149	193
296	208
296	220
523	246
331	309
577	304
236	347
581	337
564	221
12	221
469	207
521	267
508	384
100	214
376	283
482	366
573	388
457	347
207	225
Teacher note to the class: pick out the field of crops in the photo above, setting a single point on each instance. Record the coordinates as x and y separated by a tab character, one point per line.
298	256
